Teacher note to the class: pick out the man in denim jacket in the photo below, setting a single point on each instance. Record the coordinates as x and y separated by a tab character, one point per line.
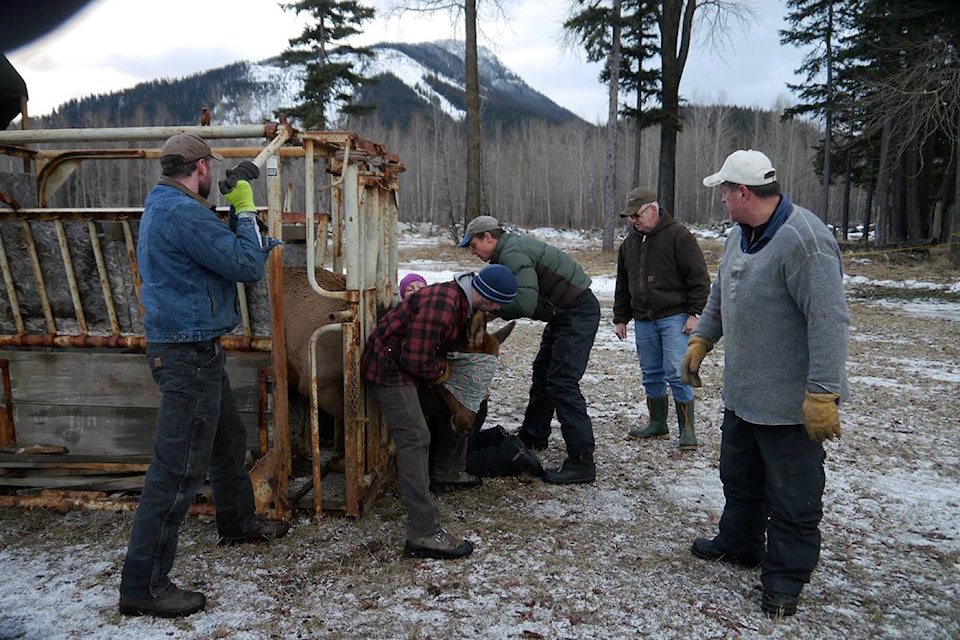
190	262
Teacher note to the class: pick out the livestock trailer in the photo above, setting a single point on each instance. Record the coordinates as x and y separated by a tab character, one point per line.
78	404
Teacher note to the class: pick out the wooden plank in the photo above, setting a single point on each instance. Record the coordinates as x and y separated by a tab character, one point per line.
85	483
103	431
111	379
97	403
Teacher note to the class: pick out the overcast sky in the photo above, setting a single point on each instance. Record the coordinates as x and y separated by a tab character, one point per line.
114	44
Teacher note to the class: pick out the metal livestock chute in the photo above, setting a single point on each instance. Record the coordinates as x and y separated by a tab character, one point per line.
78	406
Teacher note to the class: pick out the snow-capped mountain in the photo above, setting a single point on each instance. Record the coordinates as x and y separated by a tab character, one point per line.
426	77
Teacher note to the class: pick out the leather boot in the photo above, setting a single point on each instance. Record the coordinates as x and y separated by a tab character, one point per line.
657	407
688	435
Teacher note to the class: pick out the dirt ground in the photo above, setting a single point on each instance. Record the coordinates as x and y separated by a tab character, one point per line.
606	560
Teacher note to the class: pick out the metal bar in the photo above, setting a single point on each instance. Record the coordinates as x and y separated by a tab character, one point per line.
11	290
71	276
132	257
104	278
8	433
278	359
244	309
127	134
315	417
38	276
230	343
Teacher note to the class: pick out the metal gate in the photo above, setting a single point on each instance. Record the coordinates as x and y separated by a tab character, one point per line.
71	287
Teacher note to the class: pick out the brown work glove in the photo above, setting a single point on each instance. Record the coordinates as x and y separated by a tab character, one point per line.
444	372
820	416
697	348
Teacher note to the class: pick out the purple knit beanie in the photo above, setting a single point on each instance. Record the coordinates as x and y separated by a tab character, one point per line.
408	279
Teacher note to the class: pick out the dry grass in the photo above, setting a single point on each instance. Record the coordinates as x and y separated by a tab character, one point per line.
608	560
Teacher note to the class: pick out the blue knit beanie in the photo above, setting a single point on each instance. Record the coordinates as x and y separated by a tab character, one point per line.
496	283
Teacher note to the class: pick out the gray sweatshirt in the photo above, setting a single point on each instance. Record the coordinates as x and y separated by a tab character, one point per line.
783	317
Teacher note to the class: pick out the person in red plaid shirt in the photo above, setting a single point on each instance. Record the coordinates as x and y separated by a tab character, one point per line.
408	348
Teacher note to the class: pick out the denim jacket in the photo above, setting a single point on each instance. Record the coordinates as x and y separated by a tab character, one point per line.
190	262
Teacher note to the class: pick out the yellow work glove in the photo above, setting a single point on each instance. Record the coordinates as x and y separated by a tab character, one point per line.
820	416
697	348
444	372
241	197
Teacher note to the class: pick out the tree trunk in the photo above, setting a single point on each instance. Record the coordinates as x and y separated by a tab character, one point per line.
828	121
610	185
676	24
472	205
845	212
883	186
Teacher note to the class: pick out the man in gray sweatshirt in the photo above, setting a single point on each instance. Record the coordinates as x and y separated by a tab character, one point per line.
779	305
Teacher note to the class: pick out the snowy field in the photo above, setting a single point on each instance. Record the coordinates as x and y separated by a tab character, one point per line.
606	560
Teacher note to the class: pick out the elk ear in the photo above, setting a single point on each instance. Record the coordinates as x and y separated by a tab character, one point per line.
477	331
503	332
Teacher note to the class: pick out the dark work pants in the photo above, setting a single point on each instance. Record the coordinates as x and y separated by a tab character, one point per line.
773	483
560	363
198	431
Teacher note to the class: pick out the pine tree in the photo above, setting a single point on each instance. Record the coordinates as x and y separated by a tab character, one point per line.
332	79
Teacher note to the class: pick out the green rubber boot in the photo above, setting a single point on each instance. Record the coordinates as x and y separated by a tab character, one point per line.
688	434
658	420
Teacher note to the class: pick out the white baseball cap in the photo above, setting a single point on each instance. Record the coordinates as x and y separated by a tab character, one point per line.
748	167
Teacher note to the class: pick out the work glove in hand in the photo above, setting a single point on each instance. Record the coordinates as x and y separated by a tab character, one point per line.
444	372
820	416
697	348
241	197
246	170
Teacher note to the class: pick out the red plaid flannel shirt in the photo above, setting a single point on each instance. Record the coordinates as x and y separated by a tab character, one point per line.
410	338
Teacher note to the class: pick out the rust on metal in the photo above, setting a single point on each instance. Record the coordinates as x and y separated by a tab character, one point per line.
8	434
361	227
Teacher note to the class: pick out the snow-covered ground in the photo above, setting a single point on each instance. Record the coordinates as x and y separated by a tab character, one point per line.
607	560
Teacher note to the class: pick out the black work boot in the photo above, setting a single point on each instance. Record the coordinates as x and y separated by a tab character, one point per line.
531	442
707	549
778	604
573	471
173	603
527	458
260	530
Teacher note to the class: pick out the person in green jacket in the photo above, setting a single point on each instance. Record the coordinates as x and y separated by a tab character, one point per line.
552	288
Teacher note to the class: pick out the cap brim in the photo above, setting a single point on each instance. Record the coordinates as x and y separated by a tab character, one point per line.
713	180
216	156
465	241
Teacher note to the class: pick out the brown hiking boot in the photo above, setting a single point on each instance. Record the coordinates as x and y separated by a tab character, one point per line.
440	545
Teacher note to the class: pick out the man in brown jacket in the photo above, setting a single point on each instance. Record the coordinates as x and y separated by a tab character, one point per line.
662	285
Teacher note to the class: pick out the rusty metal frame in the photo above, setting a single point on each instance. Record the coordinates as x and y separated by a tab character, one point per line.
363	222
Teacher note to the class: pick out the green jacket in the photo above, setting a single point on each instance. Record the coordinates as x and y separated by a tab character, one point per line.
548	280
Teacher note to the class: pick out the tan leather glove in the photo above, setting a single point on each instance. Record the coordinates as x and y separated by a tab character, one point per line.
444	372
820	416
697	348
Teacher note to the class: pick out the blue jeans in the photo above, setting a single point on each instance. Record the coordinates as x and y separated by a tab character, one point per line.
562	360
773	484
660	348
198	431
